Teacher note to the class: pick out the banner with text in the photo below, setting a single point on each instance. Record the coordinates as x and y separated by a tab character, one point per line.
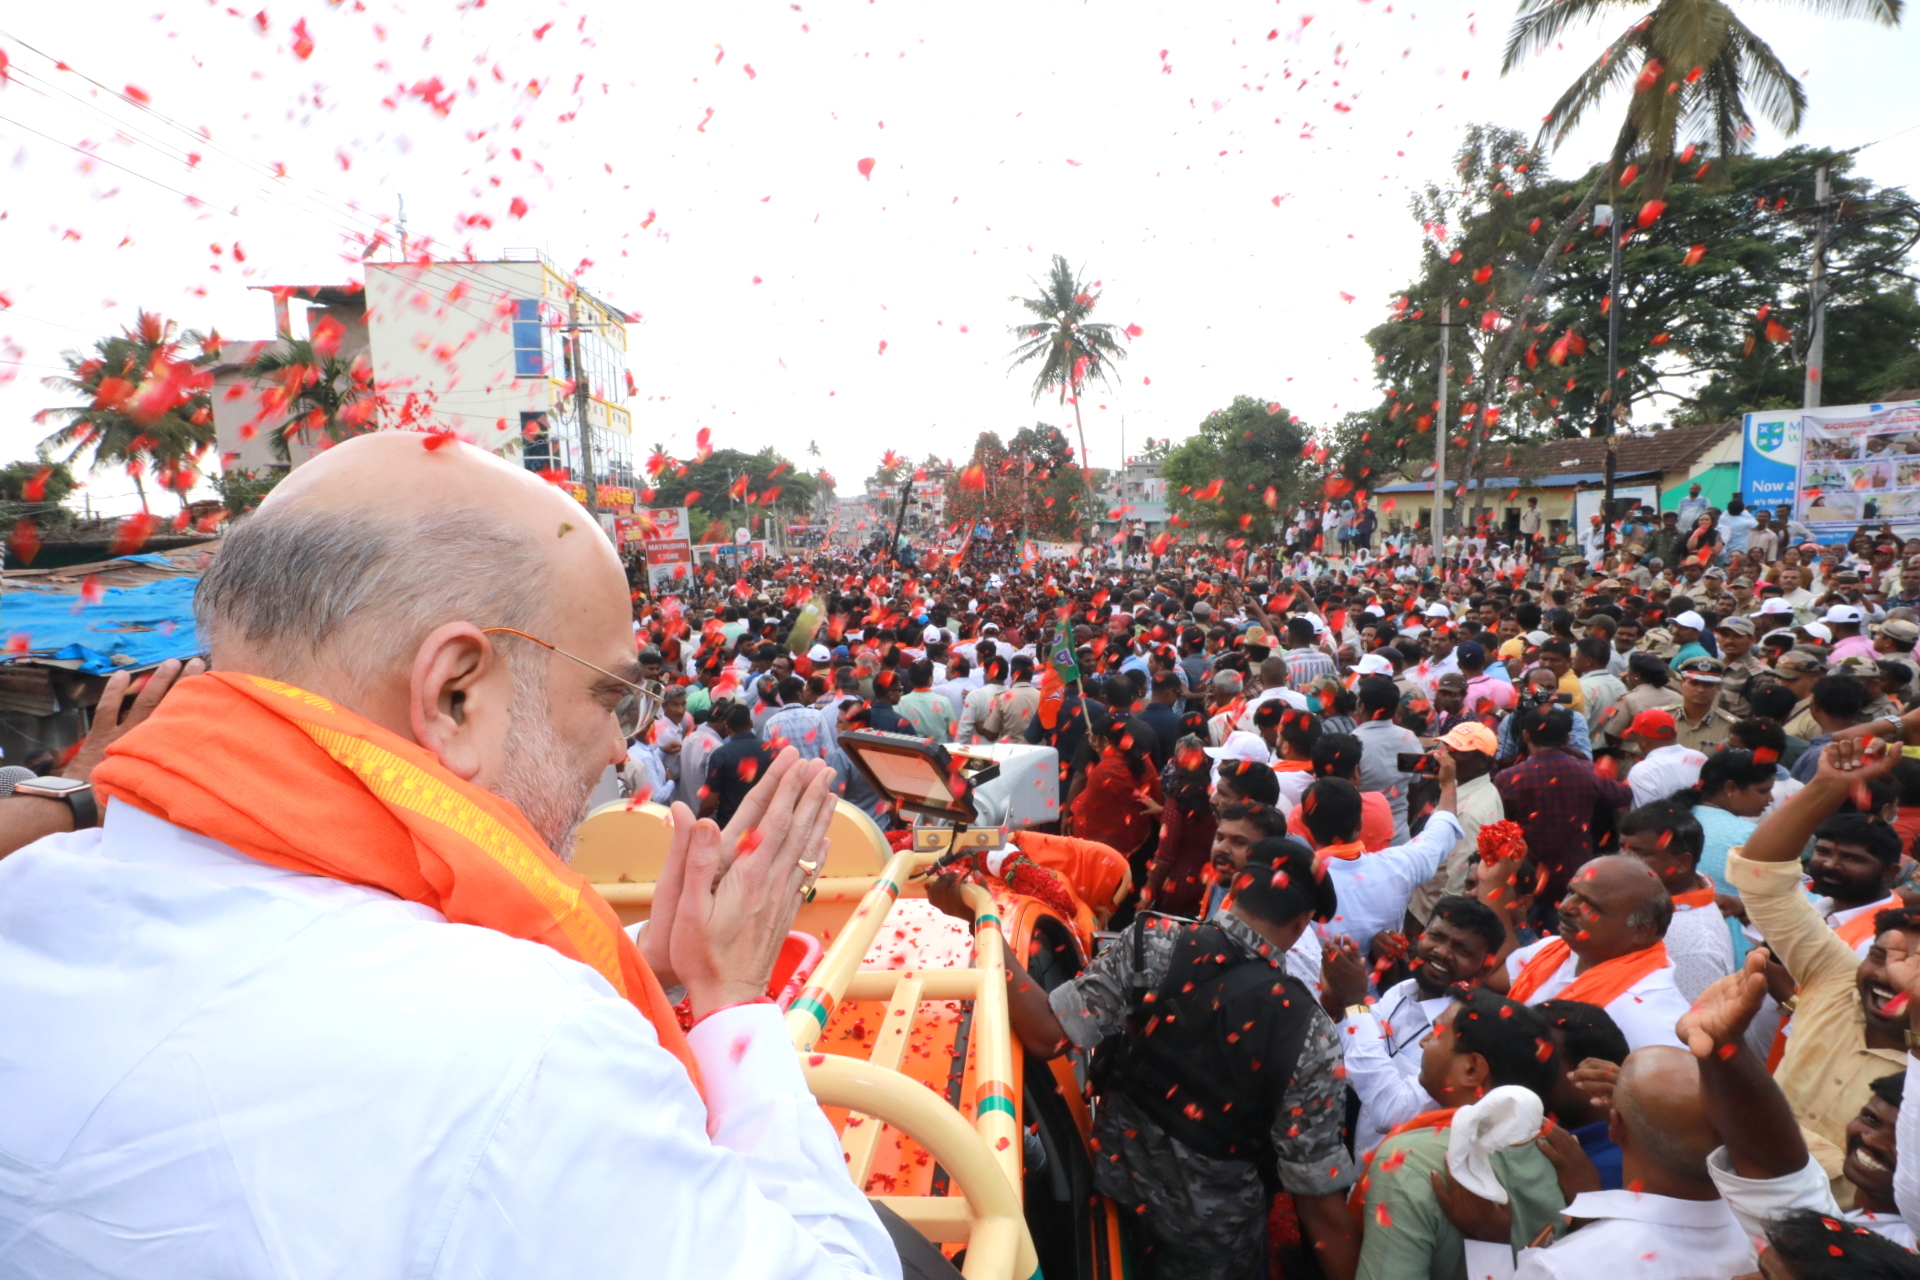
669	543
1858	464
1770	458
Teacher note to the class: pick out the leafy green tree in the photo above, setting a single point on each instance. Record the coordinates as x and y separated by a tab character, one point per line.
1048	500
146	406
36	489
1713	305
39	482
1241	470
1479	233
1694	68
734	489
1070	348
893	469
1155	450
241	490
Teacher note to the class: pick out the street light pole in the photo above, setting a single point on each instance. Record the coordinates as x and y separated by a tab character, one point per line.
573	330
1817	294
1440	450
1609	398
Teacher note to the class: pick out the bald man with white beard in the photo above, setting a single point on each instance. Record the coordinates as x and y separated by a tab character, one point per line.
320	996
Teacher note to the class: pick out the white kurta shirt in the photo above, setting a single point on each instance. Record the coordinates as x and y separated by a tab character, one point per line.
1382	1050
1757	1201
1664	771
1374	888
1700	947
1645	1012
216	1068
1629	1236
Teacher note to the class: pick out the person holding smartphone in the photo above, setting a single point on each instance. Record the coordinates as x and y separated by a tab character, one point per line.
1374	888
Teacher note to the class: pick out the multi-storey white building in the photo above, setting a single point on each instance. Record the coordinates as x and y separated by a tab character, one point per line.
485	348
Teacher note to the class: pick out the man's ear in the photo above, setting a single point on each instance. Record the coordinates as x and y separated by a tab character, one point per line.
458	697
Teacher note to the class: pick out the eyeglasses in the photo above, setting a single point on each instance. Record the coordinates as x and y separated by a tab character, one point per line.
634	712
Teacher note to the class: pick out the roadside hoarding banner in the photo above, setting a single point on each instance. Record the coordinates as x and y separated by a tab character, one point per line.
1858	464
807	535
1770	457
667	537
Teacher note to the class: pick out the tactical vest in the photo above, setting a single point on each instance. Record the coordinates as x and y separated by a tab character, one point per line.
1209	1053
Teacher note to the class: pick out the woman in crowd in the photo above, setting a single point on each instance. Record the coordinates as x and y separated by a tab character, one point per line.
1175	880
1121	804
1727	801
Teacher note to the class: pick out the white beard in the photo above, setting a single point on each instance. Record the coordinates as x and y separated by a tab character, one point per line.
539	779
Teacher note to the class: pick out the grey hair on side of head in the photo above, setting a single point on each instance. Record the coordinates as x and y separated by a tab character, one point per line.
307	587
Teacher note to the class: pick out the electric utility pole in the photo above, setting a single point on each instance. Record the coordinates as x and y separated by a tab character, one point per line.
1610	408
572	331
1440	450
1817	294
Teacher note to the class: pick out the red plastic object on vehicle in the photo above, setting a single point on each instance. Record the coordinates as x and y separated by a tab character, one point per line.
799	956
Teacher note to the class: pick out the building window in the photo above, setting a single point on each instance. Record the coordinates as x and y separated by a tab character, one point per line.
529	340
540	449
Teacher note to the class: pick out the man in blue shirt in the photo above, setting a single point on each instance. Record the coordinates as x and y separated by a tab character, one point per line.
1735	525
1589	1043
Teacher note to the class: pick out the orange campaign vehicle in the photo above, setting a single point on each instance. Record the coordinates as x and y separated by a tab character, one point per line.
899	1012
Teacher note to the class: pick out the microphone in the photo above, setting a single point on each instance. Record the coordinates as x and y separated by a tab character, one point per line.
13	774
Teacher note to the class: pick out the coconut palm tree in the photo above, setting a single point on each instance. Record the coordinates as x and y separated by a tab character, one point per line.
1695	68
147	403
1069	347
315	392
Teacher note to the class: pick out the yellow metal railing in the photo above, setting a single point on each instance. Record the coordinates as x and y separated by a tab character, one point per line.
984	1157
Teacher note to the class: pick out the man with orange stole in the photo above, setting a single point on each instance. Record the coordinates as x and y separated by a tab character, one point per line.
321	996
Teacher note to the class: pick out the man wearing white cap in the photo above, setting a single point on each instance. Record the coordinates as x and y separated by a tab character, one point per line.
1372	664
1240	745
1772	613
1846	621
1687	628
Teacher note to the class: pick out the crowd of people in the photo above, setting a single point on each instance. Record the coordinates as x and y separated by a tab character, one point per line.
1510	914
1609	849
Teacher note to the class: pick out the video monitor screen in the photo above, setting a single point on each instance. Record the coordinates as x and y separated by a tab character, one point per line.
913	771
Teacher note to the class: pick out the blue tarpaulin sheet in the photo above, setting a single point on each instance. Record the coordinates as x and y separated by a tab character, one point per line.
146	624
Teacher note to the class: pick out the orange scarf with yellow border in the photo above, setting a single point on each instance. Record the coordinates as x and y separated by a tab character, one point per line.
292	779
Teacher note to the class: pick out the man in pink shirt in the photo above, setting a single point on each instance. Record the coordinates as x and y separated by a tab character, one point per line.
1846	621
1484	693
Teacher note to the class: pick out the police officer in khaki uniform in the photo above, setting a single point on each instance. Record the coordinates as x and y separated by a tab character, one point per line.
1798	669
1735	637
1867	672
1741	589
1647	679
1896	637
1700	722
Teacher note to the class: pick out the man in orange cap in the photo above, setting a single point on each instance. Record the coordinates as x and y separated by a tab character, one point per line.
1474	748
